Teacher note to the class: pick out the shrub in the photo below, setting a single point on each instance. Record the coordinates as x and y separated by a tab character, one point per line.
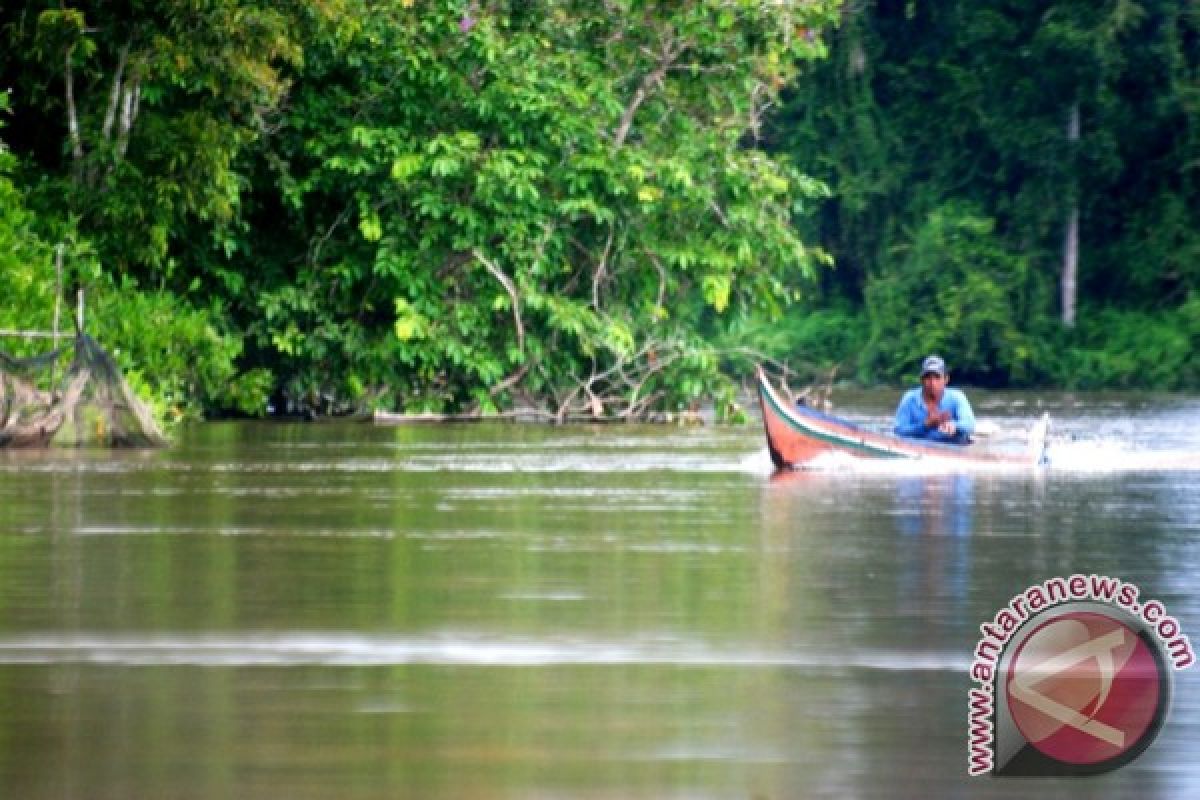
1131	349
955	291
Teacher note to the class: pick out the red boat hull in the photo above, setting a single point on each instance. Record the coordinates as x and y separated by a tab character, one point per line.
797	435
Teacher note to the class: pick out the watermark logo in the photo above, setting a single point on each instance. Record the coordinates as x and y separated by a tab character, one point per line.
1074	678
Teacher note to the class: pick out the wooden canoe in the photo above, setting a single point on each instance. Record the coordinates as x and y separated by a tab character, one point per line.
796	435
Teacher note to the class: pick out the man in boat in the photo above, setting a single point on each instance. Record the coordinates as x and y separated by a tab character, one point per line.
933	411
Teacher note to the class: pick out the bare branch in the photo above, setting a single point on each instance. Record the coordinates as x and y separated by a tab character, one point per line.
451	263
761	101
662	280
509	287
510	381
602	268
639	97
710	69
314	250
565	406
720	214
653	79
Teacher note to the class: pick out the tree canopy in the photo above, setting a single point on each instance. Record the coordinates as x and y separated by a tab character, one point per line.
600	208
433	204
1003	121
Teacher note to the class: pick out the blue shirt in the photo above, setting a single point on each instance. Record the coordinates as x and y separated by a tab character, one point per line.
911	413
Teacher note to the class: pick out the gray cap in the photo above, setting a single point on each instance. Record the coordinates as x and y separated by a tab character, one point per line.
933	364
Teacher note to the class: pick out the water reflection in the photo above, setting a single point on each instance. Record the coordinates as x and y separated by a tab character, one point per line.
344	611
935	518
910	563
935	505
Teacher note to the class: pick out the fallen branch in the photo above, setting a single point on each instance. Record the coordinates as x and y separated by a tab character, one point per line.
389	418
509	382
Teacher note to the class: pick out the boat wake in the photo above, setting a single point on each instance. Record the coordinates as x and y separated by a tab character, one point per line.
1063	456
1115	456
846	463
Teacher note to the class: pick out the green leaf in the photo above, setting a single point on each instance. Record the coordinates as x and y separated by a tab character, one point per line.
716	291
370	226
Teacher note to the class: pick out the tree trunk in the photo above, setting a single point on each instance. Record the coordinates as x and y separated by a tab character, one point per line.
73	119
1070	267
1070	262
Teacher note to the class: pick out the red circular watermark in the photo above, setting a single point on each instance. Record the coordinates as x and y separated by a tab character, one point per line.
1085	689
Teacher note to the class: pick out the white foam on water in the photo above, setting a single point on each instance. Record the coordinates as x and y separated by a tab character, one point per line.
845	462
575	492
1115	456
741	753
386	707
1096	456
450	649
546	596
160	530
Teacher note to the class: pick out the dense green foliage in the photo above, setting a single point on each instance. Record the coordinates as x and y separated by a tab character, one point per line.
428	205
944	131
528	203
20	249
599	207
129	121
954	289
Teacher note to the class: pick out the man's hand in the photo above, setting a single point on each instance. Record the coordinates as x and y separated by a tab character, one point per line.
948	427
936	419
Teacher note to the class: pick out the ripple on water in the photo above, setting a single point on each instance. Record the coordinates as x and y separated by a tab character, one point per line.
457	649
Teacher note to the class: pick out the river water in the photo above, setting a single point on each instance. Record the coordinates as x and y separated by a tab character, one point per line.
272	610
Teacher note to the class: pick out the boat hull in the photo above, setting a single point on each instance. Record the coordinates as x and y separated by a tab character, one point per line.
797	435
